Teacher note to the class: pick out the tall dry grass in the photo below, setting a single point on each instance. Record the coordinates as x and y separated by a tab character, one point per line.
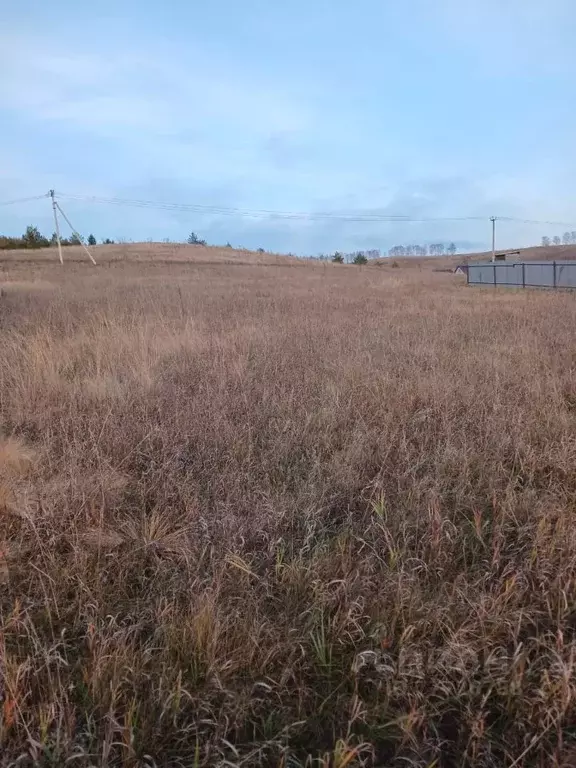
285	517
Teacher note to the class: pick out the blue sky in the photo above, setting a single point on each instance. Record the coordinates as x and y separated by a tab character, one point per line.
432	108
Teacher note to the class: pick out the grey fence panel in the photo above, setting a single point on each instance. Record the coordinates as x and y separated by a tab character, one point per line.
481	273
540	275
565	275
543	274
510	275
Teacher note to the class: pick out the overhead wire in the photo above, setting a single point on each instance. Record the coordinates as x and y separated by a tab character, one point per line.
537	221
263	213
353	216
24	199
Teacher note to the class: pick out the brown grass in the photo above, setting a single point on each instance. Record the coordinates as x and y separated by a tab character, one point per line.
285	516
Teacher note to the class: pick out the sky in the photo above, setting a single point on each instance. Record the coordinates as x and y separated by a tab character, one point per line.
422	108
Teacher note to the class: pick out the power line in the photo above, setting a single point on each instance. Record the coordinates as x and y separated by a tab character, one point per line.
263	213
354	216
23	199
535	221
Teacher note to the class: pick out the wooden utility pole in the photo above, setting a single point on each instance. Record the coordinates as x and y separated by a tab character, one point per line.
57	227
67	220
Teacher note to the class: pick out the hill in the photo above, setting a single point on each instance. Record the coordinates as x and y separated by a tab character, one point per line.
150	252
533	253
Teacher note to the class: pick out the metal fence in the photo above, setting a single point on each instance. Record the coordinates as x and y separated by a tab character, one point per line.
524	274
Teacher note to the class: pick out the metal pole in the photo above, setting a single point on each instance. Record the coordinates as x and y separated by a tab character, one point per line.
554	273
523	275
57	227
493	220
67	220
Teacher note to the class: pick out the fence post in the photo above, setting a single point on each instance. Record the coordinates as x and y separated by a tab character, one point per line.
494	267
523	275
554	274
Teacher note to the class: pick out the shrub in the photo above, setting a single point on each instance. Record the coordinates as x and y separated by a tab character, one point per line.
76	238
193	239
33	238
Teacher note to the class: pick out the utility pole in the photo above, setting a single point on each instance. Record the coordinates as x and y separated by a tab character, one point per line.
493	220
57	227
67	220
56	208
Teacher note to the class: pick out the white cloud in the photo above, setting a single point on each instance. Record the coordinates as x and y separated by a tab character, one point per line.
518	37
130	90
169	113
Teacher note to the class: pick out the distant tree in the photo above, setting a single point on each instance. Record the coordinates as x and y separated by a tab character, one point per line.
338	258
545	241
573	234
567	238
193	239
452	249
556	240
359	258
107	241
91	240
33	238
11	242
76	239
228	245
260	250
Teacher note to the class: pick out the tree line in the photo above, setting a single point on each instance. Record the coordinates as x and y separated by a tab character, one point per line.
435	249
353	257
568	238
33	238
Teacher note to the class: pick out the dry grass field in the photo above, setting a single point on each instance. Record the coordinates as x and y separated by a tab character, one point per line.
284	514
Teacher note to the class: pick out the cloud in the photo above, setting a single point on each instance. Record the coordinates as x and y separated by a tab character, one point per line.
155	116
126	90
510	37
